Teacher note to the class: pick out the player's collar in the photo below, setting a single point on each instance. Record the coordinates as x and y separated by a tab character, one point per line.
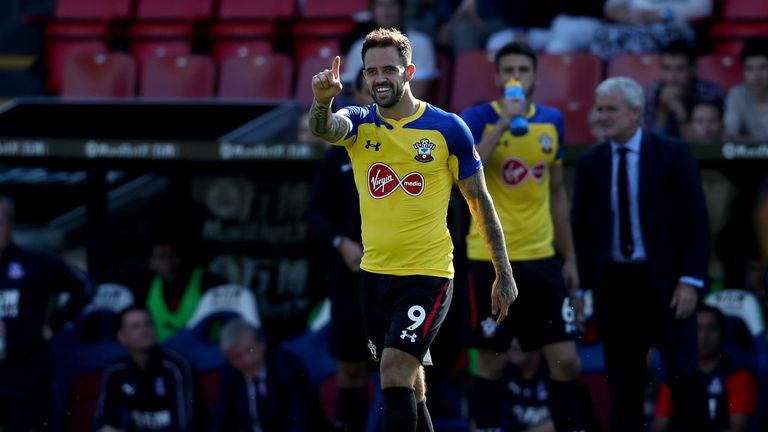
405	120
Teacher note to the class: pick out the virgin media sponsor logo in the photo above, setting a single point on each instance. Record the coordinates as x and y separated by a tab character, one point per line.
383	181
515	171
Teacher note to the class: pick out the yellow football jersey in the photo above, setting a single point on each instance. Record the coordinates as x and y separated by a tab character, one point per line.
404	171
517	175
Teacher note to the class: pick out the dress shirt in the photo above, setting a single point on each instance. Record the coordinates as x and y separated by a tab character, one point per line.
633	174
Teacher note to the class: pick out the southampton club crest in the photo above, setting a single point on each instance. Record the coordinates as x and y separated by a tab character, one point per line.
424	149
546	143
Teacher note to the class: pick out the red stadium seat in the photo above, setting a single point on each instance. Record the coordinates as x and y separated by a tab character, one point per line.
472	80
242	38
333	8
155	39
83	402
58	49
744	9
182	77
174	9
568	77
643	68
263	76
226	48
261	9
307	69
440	90
103	10
307	48
576	125
728	36
101	75
319	37
721	69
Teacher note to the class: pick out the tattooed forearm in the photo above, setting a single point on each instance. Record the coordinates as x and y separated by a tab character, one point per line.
485	217
324	124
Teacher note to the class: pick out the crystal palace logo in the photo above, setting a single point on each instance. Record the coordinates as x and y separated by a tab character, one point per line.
424	149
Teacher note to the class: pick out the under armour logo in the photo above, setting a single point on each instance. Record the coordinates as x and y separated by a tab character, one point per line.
411	336
369	145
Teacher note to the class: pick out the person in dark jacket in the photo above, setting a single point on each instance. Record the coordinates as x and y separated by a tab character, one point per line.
265	389
28	281
151	389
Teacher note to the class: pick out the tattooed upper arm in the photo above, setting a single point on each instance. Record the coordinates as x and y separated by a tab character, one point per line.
472	186
325	124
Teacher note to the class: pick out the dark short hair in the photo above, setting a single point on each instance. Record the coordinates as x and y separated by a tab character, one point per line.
520	48
117	324
399	2
383	38
754	47
713	102
719	318
679	48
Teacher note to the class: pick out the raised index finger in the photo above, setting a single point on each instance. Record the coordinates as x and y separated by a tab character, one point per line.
335	67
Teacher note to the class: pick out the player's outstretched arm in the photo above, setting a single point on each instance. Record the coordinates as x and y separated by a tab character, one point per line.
480	204
322	122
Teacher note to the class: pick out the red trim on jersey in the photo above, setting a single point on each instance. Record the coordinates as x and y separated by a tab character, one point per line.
472	304
435	308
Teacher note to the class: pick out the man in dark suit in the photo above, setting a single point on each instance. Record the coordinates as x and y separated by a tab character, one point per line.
266	389
641	233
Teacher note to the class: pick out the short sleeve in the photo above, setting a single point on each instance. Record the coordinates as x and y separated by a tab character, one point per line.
461	145
475	122
354	115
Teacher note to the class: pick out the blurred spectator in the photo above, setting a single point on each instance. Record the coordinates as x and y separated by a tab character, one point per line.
567	26
670	99
29	281
525	390
473	21
643	26
389	14
151	389
333	217
177	285
740	241
705	123
265	389
731	389
641	230
428	15
746	108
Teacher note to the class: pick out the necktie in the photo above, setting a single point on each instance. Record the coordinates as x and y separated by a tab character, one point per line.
626	244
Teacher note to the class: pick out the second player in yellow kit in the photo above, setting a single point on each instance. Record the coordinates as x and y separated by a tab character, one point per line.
525	177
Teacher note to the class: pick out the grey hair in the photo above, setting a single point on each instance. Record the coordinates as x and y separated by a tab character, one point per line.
629	88
10	207
235	330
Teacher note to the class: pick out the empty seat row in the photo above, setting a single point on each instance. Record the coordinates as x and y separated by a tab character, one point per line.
204	9
119	75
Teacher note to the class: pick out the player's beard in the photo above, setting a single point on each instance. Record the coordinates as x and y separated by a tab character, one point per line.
395	95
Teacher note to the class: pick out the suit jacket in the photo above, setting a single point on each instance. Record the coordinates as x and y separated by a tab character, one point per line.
672	209
287	404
